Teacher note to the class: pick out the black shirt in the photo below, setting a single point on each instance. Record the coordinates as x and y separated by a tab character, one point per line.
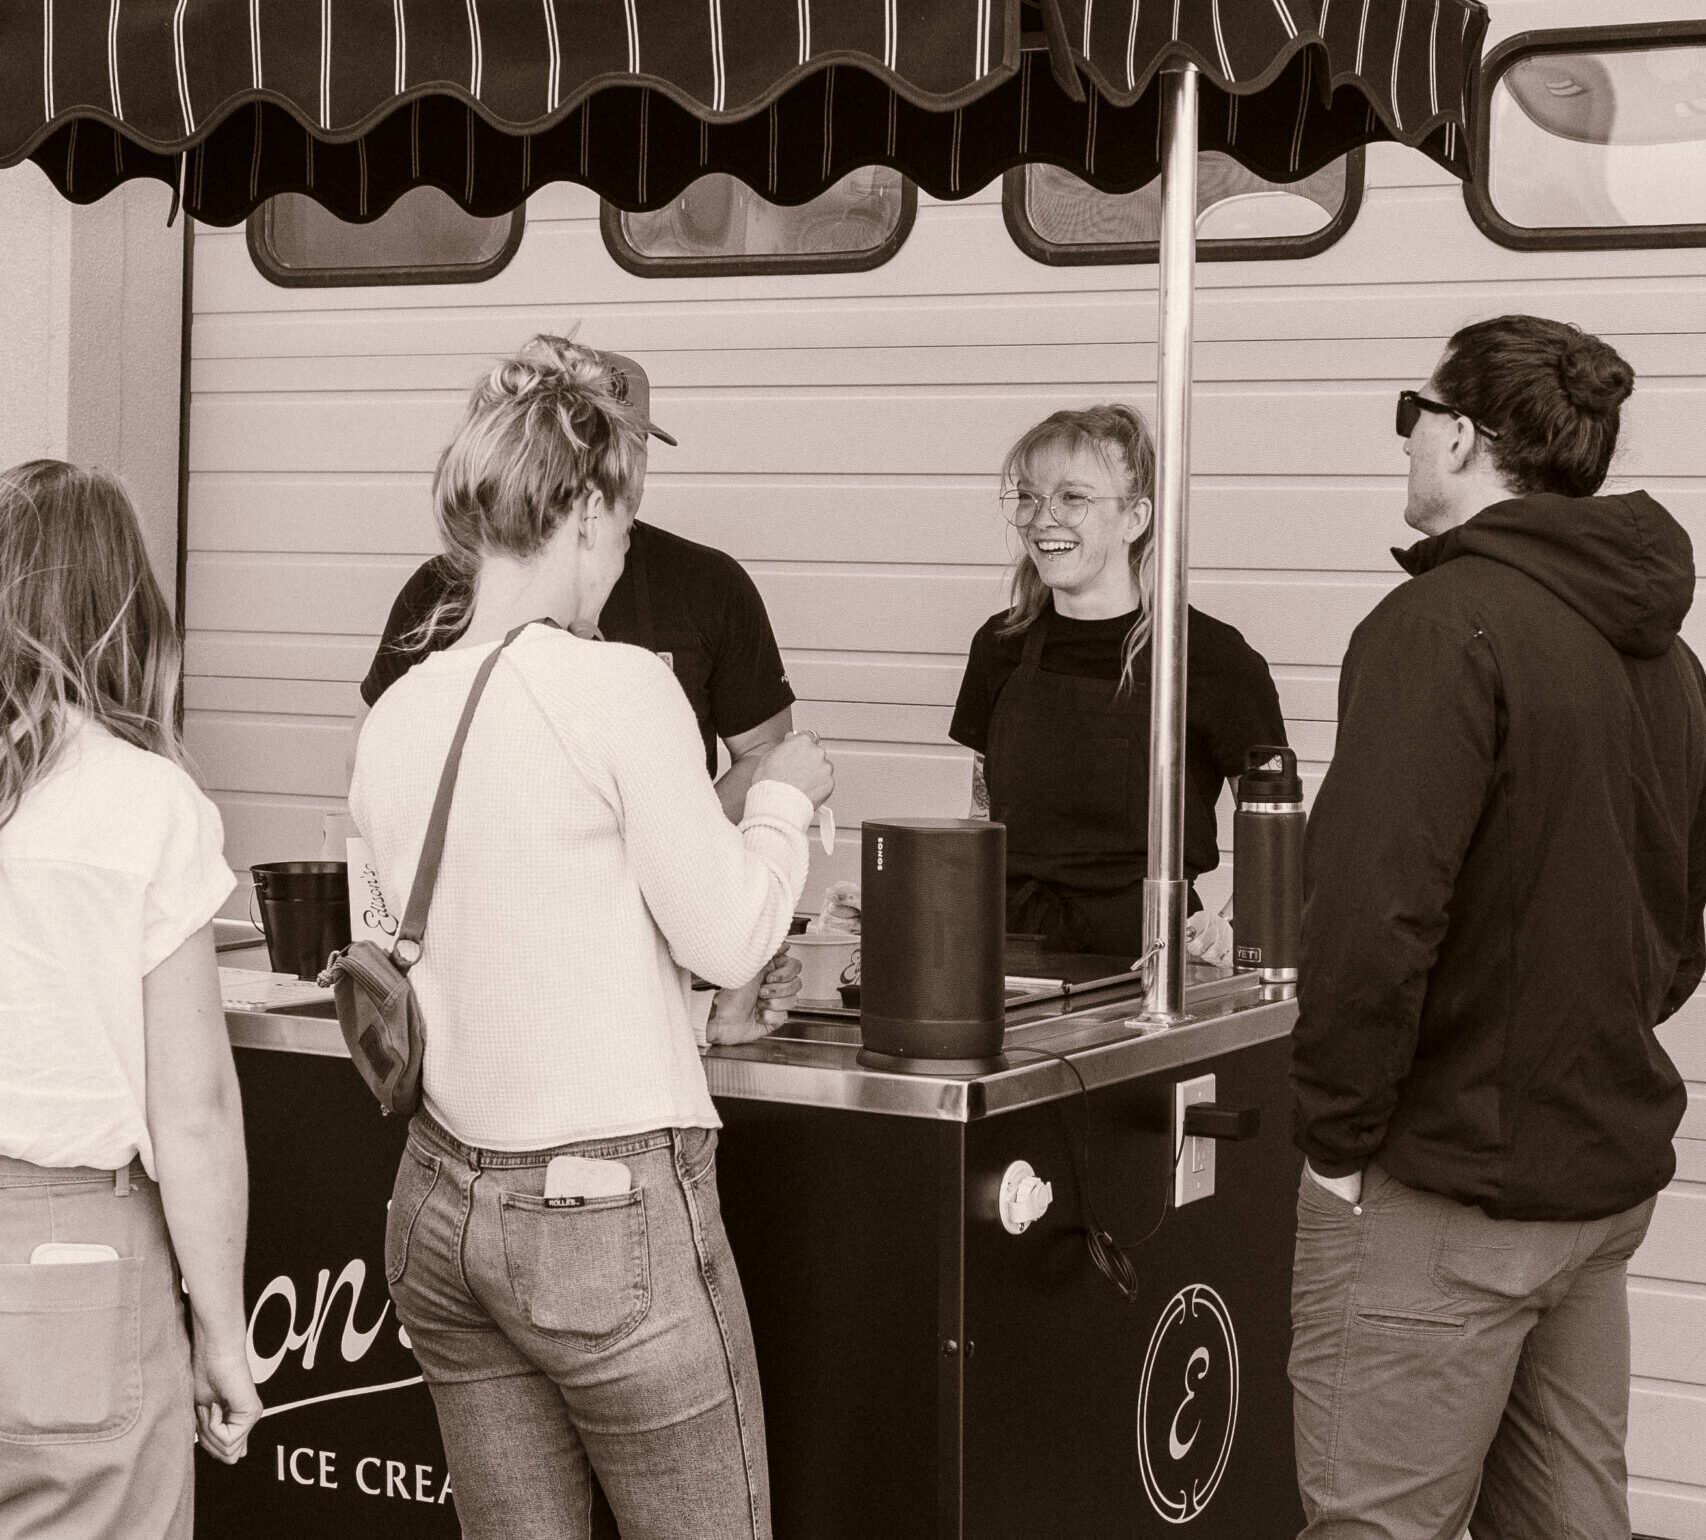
707	621
1230	700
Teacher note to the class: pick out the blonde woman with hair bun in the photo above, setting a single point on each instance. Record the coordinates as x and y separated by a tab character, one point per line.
692	605
121	1138
555	1247
528	429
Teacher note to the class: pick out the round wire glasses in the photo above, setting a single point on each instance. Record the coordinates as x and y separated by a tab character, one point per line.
1069	509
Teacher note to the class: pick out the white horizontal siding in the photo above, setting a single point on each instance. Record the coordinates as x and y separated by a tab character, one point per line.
1238	429
1667	1320
1668	1510
840	436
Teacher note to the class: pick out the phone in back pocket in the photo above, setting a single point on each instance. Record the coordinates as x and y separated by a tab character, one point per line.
72	1251
575	1178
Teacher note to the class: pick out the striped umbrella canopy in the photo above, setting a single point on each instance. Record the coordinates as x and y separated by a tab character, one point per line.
353	102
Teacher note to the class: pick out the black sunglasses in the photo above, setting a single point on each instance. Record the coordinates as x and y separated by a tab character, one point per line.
1411	405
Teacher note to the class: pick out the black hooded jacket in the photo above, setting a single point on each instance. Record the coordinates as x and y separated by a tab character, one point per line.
1506	866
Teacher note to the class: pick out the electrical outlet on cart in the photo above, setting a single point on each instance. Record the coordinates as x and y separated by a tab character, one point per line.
1025	1197
1193	1157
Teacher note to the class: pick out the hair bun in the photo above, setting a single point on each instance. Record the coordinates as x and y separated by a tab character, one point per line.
1594	376
551	368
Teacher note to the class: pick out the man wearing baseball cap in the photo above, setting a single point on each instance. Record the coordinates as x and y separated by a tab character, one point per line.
692	605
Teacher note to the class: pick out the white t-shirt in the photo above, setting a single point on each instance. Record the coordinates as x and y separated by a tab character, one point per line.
110	863
587	866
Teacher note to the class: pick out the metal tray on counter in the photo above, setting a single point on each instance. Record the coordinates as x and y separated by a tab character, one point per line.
1045	976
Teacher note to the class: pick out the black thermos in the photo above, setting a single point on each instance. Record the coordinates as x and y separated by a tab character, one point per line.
932	972
1267	865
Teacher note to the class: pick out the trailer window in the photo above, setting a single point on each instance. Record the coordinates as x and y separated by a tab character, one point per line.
423	237
1594	139
720	225
1058	218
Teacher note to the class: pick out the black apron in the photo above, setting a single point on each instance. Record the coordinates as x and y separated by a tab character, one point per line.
1067	767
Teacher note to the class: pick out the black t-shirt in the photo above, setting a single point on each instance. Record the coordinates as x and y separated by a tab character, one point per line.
707	621
1230	700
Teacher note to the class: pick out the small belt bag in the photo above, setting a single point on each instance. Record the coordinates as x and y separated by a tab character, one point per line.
377	1008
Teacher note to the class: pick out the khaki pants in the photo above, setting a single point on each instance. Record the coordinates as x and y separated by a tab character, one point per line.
97	1418
1451	1370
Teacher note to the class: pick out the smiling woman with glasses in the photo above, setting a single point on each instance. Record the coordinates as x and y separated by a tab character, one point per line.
1055	699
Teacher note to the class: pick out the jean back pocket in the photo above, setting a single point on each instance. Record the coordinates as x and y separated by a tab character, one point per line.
70	1351
580	1271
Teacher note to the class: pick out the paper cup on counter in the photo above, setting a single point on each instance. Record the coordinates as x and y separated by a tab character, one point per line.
828	959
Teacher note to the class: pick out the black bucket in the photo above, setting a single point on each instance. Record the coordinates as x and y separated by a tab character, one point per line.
304	913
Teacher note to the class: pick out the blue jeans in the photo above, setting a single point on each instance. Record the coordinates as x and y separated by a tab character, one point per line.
609	1337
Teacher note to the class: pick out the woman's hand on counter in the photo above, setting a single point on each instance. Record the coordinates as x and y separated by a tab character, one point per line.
781	984
1208	938
799	761
745	1014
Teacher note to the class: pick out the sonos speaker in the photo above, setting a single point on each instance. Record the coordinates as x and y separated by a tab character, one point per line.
934	900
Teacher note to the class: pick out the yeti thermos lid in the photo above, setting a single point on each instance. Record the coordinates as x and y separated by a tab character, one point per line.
932	987
1270	775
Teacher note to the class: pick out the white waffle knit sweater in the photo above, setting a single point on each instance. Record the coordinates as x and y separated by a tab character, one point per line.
587	867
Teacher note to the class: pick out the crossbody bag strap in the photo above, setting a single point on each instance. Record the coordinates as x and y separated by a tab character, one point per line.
432	847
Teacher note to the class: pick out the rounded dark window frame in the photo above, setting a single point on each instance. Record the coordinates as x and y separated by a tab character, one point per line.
274	271
1477	195
1277	248
624	254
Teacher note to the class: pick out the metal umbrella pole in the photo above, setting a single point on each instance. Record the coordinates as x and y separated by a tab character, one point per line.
1165	889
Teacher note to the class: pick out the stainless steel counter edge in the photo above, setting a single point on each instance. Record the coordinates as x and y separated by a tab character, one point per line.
286	1031
1103	1051
819	1066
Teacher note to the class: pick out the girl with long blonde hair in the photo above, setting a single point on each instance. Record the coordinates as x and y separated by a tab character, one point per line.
121	1136
84	629
1054	703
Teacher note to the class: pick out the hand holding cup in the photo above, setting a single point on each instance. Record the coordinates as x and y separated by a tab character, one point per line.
746	1013
1208	938
799	761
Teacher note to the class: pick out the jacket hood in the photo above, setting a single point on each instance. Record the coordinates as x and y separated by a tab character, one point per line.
1622	563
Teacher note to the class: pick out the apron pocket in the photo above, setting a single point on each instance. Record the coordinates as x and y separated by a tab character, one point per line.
70	1351
1091	791
581	1273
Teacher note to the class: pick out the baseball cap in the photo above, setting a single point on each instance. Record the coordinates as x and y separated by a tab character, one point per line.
636	389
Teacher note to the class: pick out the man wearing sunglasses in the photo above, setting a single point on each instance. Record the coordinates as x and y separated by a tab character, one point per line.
1505	875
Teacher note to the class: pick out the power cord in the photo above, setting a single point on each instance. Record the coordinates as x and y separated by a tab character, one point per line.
1112	1260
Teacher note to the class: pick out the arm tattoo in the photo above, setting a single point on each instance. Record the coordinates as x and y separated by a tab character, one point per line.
979	789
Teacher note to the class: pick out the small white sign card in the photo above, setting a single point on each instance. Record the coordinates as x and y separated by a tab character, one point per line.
372	916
